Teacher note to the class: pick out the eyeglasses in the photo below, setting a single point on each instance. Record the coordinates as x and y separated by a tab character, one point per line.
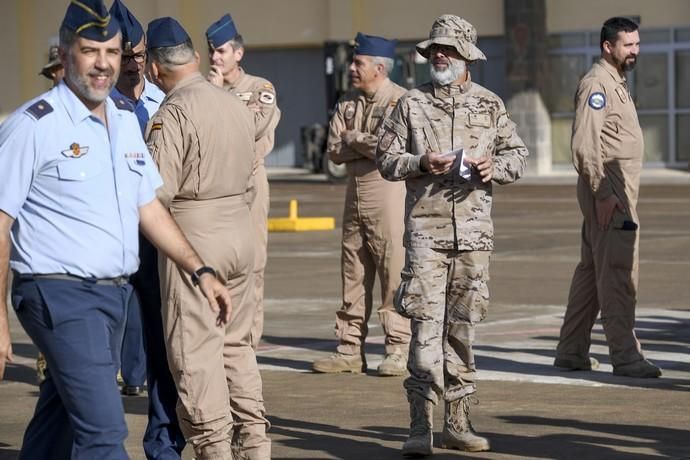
139	58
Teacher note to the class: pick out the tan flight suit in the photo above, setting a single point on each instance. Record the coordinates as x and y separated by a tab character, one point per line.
607	147
448	227
260	96
202	139
372	222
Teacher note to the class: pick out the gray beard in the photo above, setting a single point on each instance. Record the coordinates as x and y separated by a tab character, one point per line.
82	86
455	69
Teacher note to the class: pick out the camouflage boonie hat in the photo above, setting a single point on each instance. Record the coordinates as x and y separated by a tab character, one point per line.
451	30
53	62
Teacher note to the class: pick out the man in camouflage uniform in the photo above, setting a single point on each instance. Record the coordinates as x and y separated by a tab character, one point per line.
373	215
225	51
436	131
607	147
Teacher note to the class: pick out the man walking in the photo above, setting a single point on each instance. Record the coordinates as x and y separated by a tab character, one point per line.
607	147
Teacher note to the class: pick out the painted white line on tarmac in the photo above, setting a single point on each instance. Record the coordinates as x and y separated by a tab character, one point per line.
529	359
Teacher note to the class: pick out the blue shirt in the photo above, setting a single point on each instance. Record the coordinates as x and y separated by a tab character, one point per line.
147	104
74	187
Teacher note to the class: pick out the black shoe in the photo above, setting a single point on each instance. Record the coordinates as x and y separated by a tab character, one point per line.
132	390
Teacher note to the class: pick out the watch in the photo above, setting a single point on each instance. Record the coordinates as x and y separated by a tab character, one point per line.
197	274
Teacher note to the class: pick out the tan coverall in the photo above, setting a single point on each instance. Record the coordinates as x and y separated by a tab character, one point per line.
448	227
372	222
260	96
607	147
202	139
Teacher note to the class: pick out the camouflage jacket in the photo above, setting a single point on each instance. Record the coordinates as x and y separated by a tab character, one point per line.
448	211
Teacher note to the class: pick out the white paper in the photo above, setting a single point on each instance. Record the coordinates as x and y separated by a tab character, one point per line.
464	171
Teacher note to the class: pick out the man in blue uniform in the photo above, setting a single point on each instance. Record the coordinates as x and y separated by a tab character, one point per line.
77	187
163	438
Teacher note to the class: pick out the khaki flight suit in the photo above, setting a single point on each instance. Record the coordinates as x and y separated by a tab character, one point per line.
202	139
260	96
448	227
372	222
607	147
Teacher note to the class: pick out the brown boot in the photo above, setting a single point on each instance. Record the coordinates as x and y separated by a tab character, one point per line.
457	428
419	444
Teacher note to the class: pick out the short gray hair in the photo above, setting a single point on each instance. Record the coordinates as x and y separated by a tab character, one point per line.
171	56
386	62
67	38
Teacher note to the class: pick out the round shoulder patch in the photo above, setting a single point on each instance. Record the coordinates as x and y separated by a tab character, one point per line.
597	101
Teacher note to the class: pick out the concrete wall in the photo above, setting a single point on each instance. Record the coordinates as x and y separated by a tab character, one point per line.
570	16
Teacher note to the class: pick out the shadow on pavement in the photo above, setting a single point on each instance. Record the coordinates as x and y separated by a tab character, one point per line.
598	440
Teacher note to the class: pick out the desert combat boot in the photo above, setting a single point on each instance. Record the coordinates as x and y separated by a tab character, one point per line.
420	442
393	364
457	428
339	362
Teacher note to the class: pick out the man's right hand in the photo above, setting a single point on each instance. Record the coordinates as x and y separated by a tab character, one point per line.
215	76
5	344
437	163
605	209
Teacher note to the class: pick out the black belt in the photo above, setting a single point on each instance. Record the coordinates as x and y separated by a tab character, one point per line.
117	281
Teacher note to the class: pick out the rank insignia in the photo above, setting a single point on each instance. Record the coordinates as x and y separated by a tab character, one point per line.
75	151
244	97
597	101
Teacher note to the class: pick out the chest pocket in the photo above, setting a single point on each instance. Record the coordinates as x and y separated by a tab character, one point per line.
479	120
80	169
136	165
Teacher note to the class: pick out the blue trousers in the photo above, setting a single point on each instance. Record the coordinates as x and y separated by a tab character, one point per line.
163	439
133	366
78	326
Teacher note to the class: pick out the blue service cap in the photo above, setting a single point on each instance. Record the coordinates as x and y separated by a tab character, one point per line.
371	45
221	31
90	19
132	31
165	32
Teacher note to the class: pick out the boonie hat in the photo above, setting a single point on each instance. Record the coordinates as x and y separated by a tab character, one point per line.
451	30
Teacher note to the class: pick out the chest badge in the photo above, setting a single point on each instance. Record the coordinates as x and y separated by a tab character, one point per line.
75	151
622	94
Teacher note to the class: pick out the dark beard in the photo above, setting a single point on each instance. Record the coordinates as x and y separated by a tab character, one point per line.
627	65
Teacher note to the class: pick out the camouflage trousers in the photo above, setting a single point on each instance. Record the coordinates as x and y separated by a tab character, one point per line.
444	294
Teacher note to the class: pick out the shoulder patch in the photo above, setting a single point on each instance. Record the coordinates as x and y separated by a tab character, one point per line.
597	101
122	103
39	109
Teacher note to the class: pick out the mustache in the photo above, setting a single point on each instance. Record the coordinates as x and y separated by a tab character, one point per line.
101	73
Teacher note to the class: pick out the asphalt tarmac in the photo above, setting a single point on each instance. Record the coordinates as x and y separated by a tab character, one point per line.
527	408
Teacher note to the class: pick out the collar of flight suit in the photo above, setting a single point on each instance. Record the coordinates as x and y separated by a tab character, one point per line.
453	90
379	94
612	71
235	84
190	80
